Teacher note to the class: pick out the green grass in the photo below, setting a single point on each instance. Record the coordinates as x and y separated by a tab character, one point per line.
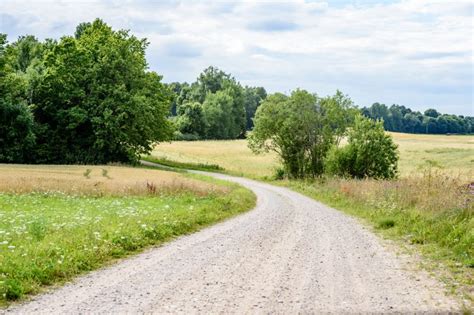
183	165
48	238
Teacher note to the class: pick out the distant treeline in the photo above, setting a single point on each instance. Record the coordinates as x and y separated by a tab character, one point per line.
215	106
402	119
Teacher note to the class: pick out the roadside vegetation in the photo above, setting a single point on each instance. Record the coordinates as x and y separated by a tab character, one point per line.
59	221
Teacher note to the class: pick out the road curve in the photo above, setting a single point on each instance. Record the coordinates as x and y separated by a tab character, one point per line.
289	255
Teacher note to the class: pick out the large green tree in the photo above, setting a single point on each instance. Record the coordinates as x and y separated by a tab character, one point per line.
301	129
96	102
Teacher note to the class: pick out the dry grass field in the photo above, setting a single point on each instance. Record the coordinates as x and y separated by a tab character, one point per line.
452	154
98	181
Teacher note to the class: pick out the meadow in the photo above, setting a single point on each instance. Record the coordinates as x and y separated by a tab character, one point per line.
452	154
59	221
429	209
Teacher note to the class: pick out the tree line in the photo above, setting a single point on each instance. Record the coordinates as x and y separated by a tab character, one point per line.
215	106
89	98
402	119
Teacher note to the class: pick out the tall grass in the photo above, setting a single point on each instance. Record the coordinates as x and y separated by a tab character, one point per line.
431	211
99	181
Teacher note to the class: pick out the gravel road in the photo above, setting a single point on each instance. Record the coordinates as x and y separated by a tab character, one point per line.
289	255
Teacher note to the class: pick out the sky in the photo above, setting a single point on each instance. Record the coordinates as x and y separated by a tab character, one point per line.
415	53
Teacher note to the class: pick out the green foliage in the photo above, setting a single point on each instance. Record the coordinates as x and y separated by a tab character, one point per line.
191	120
401	119
217	107
224	117
181	165
301	129
97	103
85	99
370	152
386	223
16	122
253	96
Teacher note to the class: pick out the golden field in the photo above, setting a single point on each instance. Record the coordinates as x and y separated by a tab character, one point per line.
98	180
452	154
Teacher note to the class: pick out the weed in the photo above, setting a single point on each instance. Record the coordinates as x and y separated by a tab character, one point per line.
386	223
87	173
37	230
51	235
105	173
13	290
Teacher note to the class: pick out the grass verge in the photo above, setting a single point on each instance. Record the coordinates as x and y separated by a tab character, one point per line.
432	215
184	165
49	237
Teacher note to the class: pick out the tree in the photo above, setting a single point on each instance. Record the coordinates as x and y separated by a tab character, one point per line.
217	108
370	152
191	119
300	129
16	122
97	103
253	96
432	113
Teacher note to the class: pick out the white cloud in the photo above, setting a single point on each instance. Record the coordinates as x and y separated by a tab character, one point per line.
415	52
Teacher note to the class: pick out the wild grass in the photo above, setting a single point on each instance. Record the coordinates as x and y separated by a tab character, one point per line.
429	212
184	165
232	155
59	224
99	181
452	154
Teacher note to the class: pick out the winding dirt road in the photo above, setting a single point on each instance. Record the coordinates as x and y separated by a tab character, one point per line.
289	255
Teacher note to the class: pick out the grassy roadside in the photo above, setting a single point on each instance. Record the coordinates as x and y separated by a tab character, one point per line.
399	211
49	237
184	165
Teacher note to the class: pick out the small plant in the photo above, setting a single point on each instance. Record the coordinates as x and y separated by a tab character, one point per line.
87	173
279	174
386	223
38	230
13	290
151	188
105	173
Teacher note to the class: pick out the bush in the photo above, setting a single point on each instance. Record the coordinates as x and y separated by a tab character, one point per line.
370	152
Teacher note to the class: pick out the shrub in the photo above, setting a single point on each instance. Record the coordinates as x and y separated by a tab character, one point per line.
370	152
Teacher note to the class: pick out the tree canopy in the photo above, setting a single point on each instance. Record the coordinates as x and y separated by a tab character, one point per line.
227	107
402	119
90	96
301	129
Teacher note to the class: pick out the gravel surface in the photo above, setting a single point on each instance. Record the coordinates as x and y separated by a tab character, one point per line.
289	255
